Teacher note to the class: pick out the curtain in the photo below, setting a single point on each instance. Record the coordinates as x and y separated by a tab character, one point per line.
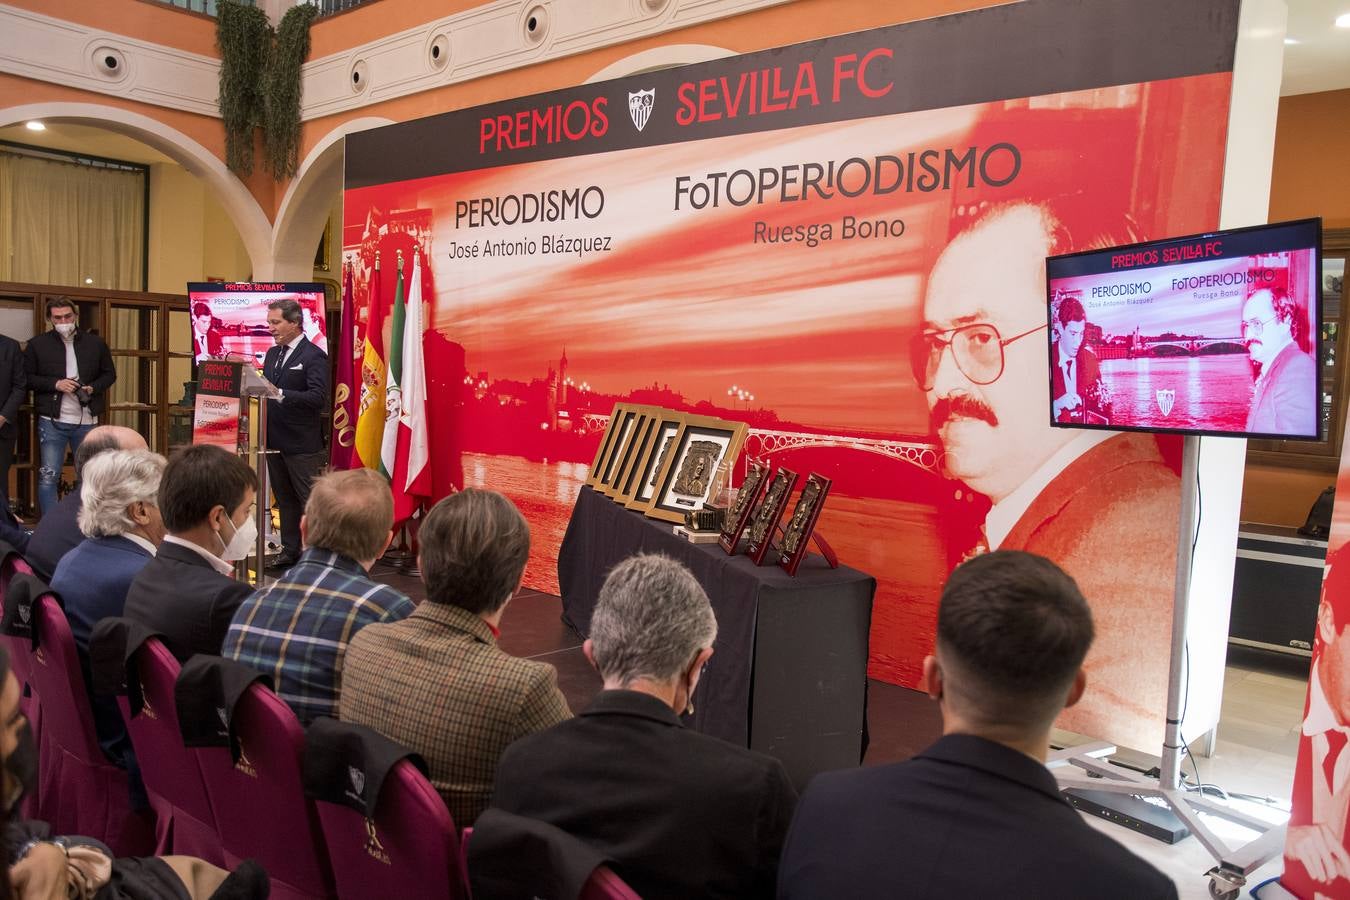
66	222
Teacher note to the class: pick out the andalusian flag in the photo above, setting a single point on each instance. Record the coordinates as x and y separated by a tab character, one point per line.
411	483
370	413
393	394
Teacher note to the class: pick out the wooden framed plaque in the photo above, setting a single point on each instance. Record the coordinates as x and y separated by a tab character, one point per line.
764	520
689	473
626	415
797	533
625	483
621	450
641	481
605	439
756	478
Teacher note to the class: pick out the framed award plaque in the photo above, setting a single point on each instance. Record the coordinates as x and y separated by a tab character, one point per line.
625	418
764	520
687	476
605	440
622	449
739	514
640	482
797	533
625	483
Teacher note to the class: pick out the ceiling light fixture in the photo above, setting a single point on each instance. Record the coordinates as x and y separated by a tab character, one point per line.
35	125
1343	20
1289	42
91	281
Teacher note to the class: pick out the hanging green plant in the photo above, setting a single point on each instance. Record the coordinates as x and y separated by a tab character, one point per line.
281	98
244	38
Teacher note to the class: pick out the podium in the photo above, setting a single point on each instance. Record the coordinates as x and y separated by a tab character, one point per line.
226	390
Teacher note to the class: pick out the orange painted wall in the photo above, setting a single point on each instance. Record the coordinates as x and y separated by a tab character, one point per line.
147	20
1312	146
1310	178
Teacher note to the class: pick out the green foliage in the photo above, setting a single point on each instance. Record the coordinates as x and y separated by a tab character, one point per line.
244	38
260	84
281	99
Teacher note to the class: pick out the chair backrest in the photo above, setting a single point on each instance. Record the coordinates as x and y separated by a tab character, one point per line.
259	803
169	769
407	849
67	718
605	885
20	648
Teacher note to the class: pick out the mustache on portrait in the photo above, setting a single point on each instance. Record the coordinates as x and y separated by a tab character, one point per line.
962	406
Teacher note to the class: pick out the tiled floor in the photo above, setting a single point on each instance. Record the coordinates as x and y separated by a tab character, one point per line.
1257	737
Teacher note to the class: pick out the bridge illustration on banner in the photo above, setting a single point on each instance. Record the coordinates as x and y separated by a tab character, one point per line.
1142	348
762	443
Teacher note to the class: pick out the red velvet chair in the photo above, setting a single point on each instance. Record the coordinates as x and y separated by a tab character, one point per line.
171	771
82	792
21	663
261	809
407	849
605	885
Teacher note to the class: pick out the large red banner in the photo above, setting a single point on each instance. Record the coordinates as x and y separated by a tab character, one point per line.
795	264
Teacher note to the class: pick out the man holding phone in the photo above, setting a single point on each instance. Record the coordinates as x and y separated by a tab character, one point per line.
70	372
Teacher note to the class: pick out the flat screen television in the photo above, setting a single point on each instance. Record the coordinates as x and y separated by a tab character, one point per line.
1210	334
229	319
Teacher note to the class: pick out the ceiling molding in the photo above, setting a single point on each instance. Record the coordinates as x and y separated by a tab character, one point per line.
491	38
48	49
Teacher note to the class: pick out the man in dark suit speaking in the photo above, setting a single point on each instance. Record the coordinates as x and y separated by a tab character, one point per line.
976	814
294	422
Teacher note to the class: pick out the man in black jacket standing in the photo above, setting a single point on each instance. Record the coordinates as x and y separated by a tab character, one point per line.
13	385
295	422
70	372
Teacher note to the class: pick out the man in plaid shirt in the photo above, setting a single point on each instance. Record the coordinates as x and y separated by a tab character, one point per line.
297	630
437	682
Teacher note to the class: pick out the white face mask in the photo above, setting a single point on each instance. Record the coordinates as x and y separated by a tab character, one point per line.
239	546
65	329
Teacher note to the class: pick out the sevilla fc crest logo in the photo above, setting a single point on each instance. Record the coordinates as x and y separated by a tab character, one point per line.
1165	400
640	105
358	779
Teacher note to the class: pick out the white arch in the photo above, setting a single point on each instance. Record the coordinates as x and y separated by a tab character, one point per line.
309	200
660	58
248	217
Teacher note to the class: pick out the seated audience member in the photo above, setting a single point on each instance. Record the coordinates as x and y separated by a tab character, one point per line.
299	628
188	591
58	531
41	866
976	814
122	528
681	813
437	682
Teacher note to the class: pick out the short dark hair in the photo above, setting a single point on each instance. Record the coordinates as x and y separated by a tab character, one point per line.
290	310
1071	310
92	446
1016	628
474	547
58	302
200	309
198	479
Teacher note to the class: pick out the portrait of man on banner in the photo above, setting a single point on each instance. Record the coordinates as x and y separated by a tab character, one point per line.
1077	497
1277	332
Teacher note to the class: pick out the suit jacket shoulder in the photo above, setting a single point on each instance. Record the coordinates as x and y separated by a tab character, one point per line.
179	595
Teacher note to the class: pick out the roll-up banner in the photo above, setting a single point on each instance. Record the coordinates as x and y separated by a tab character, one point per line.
762	237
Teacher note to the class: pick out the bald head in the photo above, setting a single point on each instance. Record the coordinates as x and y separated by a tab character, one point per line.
106	437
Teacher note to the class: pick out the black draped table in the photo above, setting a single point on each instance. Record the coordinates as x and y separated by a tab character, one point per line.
788	675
